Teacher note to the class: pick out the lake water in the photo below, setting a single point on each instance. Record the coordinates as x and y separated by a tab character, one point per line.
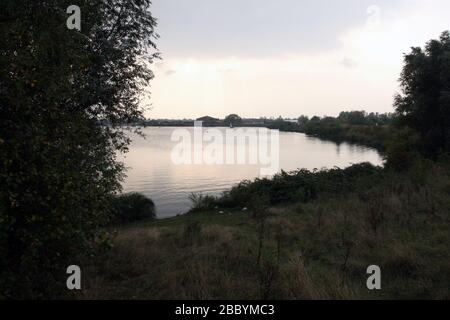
152	171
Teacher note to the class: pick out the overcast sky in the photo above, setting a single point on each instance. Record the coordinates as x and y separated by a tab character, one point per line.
285	57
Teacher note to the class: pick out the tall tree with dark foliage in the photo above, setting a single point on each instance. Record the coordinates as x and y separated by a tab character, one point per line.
424	104
58	166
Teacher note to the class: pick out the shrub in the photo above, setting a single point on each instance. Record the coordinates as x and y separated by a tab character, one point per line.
299	186
202	202
403	150
132	207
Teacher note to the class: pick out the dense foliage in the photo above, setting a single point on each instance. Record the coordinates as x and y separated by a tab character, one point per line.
315	250
308	235
290	187
132	207
58	167
370	129
368	135
424	104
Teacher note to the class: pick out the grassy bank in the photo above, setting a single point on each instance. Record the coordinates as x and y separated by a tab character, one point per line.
369	135
359	127
314	245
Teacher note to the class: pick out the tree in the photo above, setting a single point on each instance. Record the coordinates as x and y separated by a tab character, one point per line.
353	117
424	103
58	167
233	119
315	120
302	120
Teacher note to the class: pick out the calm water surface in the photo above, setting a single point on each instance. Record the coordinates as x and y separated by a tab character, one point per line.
152	172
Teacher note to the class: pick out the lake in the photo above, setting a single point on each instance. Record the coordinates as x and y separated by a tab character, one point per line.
152	171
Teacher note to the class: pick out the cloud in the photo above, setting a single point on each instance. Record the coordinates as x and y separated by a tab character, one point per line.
290	80
254	28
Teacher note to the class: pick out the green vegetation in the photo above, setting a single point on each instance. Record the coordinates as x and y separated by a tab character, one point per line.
132	207
373	129
299	235
309	248
202	202
372	136
303	185
310	235
424	104
58	167
280	124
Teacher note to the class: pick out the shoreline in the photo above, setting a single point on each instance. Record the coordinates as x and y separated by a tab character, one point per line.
185	209
316	247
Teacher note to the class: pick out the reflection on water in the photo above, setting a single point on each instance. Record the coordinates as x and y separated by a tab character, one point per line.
152	172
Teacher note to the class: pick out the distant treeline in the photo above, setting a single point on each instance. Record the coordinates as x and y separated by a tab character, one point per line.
231	120
370	129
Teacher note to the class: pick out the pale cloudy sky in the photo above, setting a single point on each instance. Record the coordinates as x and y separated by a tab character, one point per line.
285	57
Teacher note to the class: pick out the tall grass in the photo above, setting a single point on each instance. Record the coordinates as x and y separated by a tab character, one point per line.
315	249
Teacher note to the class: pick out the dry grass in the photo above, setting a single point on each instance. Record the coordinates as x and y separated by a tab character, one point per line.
319	250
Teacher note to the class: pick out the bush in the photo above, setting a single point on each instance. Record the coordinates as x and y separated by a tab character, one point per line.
300	186
403	150
202	202
132	207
